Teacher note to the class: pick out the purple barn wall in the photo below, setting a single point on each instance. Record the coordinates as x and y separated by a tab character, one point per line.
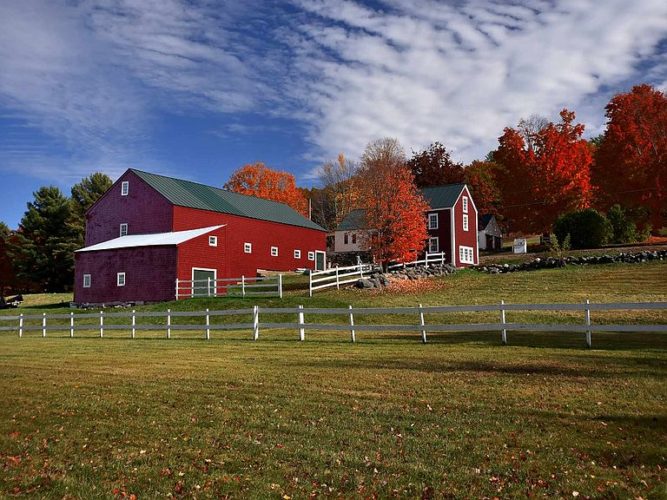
150	275
143	209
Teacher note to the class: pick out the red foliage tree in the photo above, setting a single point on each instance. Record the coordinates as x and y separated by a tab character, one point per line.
434	167
259	180
631	161
395	210
552	177
480	178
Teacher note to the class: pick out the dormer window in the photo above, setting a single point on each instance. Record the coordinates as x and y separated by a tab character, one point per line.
123	229
124	188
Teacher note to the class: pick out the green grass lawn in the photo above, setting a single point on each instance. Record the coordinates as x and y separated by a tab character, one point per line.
388	416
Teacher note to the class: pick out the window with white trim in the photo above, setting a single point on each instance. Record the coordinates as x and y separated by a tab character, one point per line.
465	222
466	255
297	254
87	280
247	248
124	188
354	238
274	251
465	204
311	255
434	245
120	279
433	221
346	239
123	229
213	241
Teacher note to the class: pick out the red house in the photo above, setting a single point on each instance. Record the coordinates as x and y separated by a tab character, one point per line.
451	222
149	230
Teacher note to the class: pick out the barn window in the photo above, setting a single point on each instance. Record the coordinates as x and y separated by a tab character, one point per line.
213	241
247	247
120	279
274	251
297	254
311	255
123	229
345	239
124	188
434	245
465	204
465	222
433	221
86	280
354	238
466	255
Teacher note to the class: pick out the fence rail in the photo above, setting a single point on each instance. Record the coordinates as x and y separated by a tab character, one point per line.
245	286
337	276
429	258
44	322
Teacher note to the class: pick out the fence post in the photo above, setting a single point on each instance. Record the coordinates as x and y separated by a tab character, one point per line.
442	258
242	286
71	324
353	336
422	323
101	324
43	324
168	323
176	288
361	271
21	325
337	279
208	326
280	286
589	340
310	284
502	320
134	323
255	322
302	329
208	286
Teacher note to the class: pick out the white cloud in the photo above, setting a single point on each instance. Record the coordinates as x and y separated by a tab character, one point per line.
424	71
92	75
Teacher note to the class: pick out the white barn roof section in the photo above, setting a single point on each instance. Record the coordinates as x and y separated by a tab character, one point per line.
150	240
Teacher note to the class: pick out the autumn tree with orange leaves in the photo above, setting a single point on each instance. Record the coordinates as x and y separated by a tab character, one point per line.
395	209
259	180
549	178
480	178
631	161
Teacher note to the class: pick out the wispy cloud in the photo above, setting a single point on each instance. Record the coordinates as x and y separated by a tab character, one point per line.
423	70
95	76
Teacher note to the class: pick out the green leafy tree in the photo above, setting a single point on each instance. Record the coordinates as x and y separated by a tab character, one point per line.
84	195
586	228
43	247
7	276
624	229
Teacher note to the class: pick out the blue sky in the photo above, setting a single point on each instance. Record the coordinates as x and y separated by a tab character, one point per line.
196	89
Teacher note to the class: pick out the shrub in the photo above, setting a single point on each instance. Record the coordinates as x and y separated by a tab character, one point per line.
624	229
587	228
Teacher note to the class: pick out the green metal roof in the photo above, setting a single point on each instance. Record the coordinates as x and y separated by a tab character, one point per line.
193	195
356	219
442	196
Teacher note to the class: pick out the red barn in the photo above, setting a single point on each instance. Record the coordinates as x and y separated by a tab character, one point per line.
451	221
149	230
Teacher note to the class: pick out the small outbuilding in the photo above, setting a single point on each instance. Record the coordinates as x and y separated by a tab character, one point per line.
489	235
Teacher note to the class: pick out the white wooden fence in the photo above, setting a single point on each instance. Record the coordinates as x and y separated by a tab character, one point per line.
429	258
245	286
73	322
337	276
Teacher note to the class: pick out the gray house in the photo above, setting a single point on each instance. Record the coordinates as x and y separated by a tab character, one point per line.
489	235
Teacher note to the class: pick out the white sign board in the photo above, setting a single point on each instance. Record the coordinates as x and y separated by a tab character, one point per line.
520	245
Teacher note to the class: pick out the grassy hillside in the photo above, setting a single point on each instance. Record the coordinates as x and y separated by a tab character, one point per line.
460	416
